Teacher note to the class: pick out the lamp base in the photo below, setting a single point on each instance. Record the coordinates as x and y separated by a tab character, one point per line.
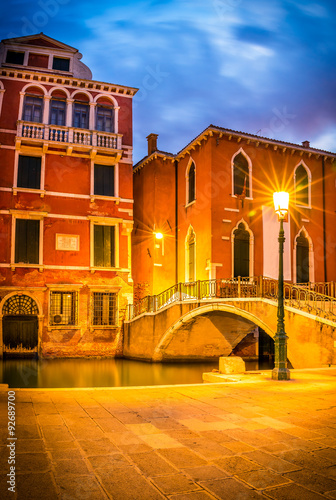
280	374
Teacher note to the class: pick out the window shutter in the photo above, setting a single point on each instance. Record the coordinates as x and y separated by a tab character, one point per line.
27	239
29	172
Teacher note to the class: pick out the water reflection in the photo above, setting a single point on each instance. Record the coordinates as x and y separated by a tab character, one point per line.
98	373
103	372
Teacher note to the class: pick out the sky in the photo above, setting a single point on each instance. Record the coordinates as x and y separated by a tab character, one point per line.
262	67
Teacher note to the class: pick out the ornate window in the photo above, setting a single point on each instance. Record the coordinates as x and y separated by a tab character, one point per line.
20	305
241	185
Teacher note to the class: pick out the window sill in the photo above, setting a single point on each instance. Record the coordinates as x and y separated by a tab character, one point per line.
103	327
30	266
94	197
303	206
190	204
63	327
17	190
237	196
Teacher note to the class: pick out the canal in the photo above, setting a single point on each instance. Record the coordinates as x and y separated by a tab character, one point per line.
53	373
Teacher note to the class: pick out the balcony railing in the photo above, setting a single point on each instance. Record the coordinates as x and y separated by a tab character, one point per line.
68	135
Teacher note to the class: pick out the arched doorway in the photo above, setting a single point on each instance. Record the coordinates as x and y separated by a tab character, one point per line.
20	325
302	258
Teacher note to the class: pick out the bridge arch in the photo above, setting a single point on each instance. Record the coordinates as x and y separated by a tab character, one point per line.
201	311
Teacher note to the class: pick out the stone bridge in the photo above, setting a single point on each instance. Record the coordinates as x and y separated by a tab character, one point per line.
210	325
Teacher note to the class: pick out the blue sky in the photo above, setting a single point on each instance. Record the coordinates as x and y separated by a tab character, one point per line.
263	67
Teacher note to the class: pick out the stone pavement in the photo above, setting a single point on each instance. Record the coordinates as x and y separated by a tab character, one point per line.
247	439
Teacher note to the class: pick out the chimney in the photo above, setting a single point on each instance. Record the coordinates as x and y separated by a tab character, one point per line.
152	143
306	144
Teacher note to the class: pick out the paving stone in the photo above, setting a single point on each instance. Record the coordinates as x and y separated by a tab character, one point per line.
71	466
253	438
160	441
305	459
197	425
27	432
125	483
99	447
26	462
230	489
303	433
328	453
218	436
108	461
152	464
182	457
131	418
54	419
194	495
293	492
237	464
261	479
29	446
176	483
205	472
270	462
312	481
57	433
135	448
34	486
238	447
65	454
83	487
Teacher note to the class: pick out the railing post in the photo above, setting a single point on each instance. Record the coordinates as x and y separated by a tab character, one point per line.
198	289
239	286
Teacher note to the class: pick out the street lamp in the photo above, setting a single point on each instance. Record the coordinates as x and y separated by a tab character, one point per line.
280	371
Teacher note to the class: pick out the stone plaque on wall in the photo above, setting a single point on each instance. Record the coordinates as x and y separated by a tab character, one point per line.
67	242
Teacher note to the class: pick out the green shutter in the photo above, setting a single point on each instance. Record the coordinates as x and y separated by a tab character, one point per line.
104	246
241	252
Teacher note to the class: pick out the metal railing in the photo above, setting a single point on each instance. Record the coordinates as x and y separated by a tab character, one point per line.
305	296
68	135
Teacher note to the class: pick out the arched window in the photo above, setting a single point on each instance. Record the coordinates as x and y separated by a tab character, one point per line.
57	111
33	108
105	119
81	112
191	255
302	258
301	182
241	249
191	182
241	176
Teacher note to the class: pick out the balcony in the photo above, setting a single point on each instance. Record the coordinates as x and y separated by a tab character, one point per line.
69	140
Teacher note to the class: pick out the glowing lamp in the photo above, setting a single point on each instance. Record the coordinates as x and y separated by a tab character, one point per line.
281	201
158	236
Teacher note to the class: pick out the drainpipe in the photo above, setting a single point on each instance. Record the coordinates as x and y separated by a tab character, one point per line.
176	221
324	222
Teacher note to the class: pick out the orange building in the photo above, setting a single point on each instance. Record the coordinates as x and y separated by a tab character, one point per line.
66	211
212	203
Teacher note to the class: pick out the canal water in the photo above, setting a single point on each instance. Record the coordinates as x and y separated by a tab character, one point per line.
53	373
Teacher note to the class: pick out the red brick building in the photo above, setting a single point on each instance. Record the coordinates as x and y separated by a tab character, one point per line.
66	209
212	202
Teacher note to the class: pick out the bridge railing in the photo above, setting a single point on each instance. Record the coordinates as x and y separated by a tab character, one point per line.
301	296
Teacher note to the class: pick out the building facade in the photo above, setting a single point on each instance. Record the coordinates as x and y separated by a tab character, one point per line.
66	211
207	212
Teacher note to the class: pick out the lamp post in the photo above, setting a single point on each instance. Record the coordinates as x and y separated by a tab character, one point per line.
280	371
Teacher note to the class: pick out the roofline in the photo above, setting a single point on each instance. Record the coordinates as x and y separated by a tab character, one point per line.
41	35
211	129
70	78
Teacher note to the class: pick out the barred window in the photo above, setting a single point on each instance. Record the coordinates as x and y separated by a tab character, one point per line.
104	309
63	308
